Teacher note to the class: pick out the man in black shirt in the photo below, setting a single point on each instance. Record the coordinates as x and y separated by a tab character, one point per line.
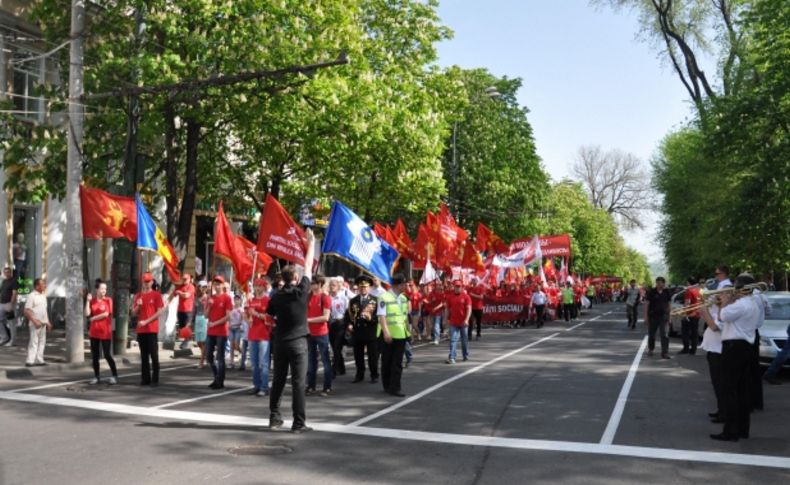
288	306
657	316
7	304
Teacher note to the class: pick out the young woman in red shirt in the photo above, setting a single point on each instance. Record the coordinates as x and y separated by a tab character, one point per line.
98	309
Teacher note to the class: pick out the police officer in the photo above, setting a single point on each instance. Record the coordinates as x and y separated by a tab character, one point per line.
393	313
361	323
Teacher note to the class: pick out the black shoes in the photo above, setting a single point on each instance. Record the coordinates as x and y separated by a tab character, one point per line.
723	437
772	380
374	380
216	385
253	391
714	415
684	351
717	420
301	429
275	422
357	379
395	393
665	356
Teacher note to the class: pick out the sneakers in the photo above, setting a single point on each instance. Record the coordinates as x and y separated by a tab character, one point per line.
326	393
261	393
309	392
435	342
94	381
449	361
113	380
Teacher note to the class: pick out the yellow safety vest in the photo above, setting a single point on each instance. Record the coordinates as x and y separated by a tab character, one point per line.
397	308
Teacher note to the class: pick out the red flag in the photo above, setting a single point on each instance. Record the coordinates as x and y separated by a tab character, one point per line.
549	270
487	240
107	216
279	235
471	259
384	233
422	249
234	248
402	240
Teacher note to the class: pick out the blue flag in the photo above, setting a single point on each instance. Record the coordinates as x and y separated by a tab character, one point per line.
348	237
150	237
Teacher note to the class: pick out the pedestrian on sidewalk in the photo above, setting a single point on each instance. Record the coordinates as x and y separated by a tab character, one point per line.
459	309
148	305
218	310
98	309
38	318
288	306
8	294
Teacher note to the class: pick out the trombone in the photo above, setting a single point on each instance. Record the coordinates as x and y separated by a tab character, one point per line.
708	298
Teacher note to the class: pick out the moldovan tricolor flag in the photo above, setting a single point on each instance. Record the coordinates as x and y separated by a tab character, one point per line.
107	216
151	238
279	235
349	238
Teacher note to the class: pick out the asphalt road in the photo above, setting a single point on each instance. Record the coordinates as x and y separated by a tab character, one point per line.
531	406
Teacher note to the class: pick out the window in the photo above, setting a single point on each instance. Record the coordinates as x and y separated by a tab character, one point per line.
28	74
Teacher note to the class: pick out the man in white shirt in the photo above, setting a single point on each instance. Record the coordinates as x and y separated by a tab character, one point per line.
538	302
723	277
36	314
738	321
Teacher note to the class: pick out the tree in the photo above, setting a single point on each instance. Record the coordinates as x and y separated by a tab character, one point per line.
615	182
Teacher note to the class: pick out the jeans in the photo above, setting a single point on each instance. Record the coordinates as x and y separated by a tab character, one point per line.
455	334
658	323
689	328
408	352
781	357
216	343
293	354
149	349
259	362
315	346
437	327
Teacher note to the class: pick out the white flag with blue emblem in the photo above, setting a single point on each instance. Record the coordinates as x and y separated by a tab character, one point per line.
348	237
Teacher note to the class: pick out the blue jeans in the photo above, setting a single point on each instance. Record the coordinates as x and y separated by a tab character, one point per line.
216	343
407	352
437	327
244	346
781	357
316	345
259	362
455	334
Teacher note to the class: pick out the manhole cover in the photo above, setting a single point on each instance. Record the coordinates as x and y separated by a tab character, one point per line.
260	450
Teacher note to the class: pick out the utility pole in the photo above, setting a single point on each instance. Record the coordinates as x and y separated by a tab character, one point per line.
75	320
123	264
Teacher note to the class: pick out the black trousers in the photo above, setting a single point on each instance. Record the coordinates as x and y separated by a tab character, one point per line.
97	347
633	316
360	346
477	320
540	315
714	368
290	354
568	312
392	364
736	386
689	329
216	343
337	339
149	350
757	374
658	324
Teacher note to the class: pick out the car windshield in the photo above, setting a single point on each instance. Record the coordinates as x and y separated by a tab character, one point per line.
780	308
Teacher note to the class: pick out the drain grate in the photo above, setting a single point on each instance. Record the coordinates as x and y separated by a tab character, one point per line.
264	449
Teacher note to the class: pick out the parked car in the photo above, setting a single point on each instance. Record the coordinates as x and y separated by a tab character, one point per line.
773	334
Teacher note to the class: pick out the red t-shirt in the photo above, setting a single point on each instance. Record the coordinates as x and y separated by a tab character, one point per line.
261	328
219	306
186	304
477	303
315	308
101	329
435	299
415	298
457	306
691	297
148	303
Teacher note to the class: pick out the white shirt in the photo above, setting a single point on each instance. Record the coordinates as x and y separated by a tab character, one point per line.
740	320
37	304
711	339
725	282
339	306
633	295
538	298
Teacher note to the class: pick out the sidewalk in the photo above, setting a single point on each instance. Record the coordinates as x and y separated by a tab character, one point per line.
12	359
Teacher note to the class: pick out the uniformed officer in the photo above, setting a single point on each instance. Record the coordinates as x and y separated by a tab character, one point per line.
393	313
361	322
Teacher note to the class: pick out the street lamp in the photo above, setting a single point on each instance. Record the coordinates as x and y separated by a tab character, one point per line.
490	92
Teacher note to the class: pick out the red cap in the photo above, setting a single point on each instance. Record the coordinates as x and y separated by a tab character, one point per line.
218	278
147	277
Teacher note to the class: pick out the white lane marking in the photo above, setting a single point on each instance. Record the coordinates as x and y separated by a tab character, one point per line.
69	383
445	438
445	382
622	399
582	323
201	398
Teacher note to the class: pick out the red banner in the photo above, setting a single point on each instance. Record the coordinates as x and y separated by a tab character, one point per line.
550	246
279	235
505	308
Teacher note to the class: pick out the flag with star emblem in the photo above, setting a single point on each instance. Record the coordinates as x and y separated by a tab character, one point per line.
349	238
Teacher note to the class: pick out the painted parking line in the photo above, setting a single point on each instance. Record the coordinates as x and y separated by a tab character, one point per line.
622	399
81	381
421	436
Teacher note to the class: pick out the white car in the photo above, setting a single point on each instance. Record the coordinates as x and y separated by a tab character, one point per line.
773	334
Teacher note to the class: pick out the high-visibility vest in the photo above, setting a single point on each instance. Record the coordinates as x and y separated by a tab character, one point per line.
397	308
